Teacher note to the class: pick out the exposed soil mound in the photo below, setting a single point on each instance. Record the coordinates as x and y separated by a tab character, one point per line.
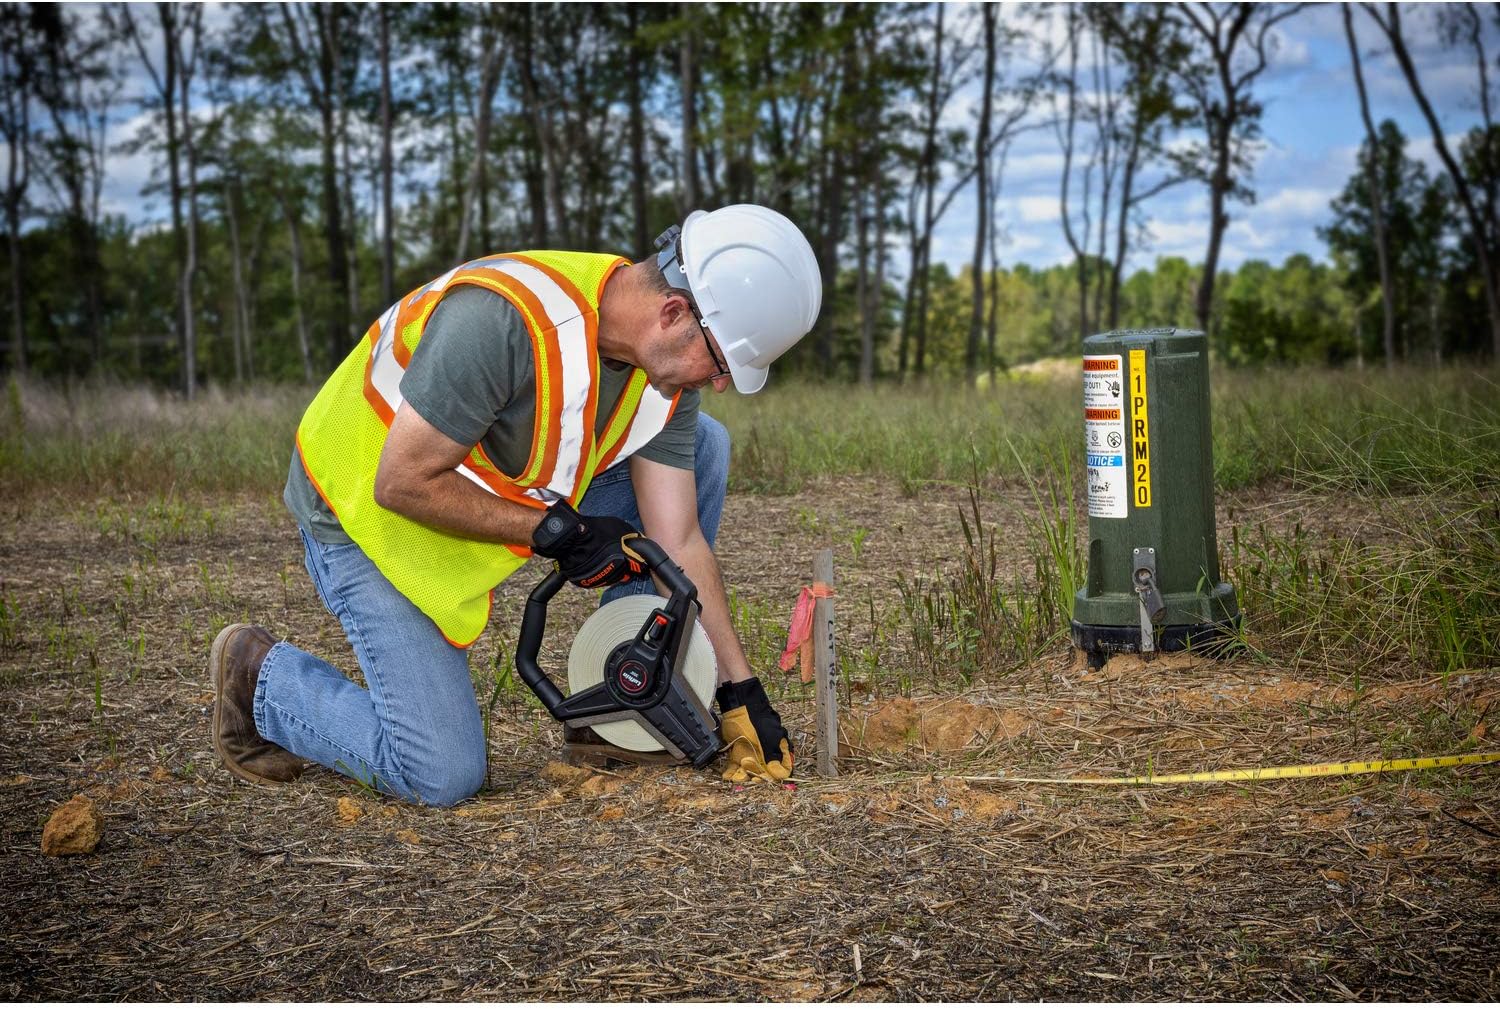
1128	664
935	726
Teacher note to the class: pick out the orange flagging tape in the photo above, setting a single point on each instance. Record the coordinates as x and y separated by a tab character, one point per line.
799	633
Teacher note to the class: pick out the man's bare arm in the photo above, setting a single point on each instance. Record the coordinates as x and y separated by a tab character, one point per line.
668	501
416	479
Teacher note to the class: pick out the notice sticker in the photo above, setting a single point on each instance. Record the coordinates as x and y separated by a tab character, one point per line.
1104	436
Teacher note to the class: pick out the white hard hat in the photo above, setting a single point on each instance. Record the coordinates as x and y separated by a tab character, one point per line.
754	279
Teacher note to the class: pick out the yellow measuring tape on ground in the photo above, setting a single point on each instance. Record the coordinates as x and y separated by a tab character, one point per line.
1265	773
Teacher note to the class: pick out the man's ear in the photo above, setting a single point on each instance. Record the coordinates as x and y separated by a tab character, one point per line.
674	308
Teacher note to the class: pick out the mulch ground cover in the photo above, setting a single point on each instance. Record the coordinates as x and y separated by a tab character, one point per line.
901	879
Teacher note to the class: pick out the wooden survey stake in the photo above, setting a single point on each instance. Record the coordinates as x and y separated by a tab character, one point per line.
825	665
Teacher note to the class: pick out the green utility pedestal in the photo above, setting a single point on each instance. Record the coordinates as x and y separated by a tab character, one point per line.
1153	582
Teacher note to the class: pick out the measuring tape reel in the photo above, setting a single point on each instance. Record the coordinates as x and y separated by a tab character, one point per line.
641	670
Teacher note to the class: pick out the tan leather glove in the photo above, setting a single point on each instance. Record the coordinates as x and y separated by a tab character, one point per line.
750	727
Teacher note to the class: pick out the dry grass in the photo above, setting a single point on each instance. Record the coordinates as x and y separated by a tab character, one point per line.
896	881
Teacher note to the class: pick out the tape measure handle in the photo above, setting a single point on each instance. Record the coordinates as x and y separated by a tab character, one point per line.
529	645
663	567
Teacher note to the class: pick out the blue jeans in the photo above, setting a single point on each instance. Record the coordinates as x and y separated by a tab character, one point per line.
417	732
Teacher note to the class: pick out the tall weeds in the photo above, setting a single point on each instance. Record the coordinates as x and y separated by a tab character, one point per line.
1414	428
1417	588
99	439
979	620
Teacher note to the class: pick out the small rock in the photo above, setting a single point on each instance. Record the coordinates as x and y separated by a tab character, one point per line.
74	829
349	810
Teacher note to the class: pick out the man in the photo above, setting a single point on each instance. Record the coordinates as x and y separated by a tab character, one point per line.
512	390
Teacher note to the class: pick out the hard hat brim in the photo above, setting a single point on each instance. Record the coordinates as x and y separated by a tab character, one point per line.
747	380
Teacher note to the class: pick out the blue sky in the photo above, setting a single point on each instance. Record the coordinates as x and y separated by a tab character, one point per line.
1312	130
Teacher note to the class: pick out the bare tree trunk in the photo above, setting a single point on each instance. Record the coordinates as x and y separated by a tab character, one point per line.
982	207
1481	229
18	118
638	180
489	82
1377	200
869	202
688	70
351	212
929	166
1106	156
833	202
1067	137
1122	226
190	259
545	182
294	228
862	289
877	296
993	315
166	86
321	91
387	204
1225	31
251	291
238	332
533	170
17	307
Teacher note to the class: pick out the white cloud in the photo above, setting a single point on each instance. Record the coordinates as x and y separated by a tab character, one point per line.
1031	209
1296	202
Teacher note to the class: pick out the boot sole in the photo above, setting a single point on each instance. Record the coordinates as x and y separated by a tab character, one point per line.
216	674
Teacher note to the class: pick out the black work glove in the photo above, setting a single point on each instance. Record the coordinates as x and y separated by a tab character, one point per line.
746	712
590	550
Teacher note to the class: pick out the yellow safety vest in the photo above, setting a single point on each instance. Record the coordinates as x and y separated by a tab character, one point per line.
341	436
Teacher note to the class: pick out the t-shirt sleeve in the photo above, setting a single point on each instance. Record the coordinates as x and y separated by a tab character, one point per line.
464	371
673	444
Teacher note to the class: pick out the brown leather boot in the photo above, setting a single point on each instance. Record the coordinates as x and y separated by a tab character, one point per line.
234	666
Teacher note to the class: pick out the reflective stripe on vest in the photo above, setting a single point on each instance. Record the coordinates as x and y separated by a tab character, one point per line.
341	436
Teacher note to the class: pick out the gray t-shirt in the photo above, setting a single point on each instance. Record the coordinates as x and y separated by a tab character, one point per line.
473	378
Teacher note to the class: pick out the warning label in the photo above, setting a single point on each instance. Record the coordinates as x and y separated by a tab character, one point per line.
1104	436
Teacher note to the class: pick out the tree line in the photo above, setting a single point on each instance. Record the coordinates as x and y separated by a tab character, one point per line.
311	162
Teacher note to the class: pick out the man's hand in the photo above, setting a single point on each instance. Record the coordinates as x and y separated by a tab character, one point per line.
590	551
751	729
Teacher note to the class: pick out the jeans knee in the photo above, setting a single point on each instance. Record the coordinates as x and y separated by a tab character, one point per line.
446	784
711	457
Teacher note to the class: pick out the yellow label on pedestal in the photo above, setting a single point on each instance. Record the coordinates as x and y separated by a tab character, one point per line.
1140	433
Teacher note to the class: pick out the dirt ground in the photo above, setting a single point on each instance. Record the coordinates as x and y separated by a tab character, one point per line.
898	880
